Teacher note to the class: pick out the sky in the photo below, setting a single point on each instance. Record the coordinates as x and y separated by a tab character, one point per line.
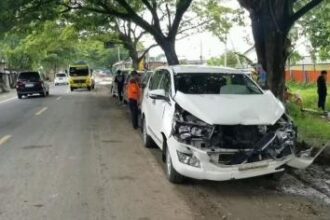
207	45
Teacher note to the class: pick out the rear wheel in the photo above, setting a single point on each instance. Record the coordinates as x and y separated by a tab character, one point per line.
172	175
19	96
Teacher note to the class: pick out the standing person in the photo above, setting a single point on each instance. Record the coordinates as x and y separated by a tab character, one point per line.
322	89
119	80
134	94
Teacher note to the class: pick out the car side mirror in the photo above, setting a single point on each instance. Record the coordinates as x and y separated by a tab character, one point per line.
158	94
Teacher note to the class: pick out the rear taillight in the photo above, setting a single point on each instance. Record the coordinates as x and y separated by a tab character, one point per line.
19	83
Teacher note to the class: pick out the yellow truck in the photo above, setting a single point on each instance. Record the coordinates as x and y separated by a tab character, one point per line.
80	76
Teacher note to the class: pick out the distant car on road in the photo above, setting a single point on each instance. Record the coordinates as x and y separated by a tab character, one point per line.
31	82
61	79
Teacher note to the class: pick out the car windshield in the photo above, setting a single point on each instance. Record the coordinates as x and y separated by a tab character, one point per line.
215	83
29	76
60	75
74	71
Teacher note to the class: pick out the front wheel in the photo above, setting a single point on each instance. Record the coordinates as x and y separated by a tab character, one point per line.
147	141
19	96
71	89
89	88
172	175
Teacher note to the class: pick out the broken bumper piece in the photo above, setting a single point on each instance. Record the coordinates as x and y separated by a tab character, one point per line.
208	169
305	158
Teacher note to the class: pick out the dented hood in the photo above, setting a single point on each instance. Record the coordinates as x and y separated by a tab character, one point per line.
261	109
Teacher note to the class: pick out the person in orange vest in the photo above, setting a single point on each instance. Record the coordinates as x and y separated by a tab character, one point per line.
134	95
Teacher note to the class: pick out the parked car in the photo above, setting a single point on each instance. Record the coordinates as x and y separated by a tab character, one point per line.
61	79
217	124
31	82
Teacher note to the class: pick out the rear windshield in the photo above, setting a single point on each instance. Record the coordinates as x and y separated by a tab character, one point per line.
61	75
74	71
29	76
215	83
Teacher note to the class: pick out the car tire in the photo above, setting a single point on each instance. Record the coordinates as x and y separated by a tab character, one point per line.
172	175
47	93
276	176
43	94
19	96
147	140
71	89
89	88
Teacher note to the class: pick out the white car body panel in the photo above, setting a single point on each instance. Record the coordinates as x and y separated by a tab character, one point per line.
232	109
221	109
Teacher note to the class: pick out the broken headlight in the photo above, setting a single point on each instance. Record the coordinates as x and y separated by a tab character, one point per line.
188	159
187	127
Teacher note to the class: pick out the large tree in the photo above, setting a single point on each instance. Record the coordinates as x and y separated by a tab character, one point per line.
160	18
271	23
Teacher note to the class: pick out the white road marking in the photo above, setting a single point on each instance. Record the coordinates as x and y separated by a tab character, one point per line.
41	111
7	100
59	98
4	139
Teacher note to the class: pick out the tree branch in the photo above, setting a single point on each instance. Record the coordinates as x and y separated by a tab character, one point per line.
146	51
304	10
181	8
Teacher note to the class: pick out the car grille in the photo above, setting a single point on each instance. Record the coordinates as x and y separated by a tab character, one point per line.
79	81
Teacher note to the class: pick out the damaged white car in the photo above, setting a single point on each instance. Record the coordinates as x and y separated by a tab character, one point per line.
217	124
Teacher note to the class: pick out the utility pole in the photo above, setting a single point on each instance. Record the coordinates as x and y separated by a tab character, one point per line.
118	50
226	50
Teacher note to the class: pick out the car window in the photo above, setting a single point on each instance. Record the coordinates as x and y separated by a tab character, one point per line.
154	81
29	76
215	83
165	82
60	75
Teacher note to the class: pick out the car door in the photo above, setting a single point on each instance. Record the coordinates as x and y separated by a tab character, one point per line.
150	105
159	105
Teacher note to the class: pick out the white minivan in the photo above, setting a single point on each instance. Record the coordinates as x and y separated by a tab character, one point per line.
61	79
216	123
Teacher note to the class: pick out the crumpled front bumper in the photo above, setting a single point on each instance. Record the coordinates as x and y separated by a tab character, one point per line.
217	172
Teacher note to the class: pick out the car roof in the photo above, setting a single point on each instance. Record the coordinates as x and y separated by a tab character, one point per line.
25	72
177	69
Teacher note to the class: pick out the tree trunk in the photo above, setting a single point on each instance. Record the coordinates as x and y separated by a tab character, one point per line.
272	46
168	46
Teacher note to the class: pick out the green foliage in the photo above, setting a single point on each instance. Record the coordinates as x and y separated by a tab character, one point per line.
233	60
317	28
52	45
218	19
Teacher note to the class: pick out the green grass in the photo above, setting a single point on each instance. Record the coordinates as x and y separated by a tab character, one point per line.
310	126
308	92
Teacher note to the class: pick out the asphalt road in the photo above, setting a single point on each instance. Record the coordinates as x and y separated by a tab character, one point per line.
75	156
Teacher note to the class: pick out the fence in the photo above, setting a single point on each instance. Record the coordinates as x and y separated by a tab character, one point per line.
306	73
